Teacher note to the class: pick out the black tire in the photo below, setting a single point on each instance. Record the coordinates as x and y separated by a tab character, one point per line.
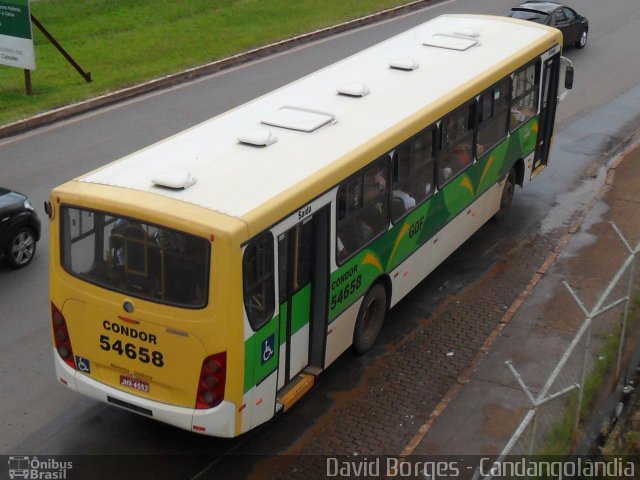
21	248
507	195
370	319
582	41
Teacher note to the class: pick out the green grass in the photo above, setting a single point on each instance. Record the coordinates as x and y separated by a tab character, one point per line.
124	43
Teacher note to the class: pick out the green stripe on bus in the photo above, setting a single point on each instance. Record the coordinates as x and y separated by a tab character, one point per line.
255	369
353	279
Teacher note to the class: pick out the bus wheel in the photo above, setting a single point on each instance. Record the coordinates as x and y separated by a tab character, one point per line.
507	195
370	319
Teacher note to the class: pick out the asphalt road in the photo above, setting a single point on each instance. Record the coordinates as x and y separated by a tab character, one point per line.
38	416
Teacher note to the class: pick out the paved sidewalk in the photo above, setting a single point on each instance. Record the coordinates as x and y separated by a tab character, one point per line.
481	413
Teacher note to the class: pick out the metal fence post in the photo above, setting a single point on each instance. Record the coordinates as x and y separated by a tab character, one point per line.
633	252
625	316
534	428
583	376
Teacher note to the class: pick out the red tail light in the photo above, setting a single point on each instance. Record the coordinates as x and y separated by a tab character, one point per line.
212	379
61	336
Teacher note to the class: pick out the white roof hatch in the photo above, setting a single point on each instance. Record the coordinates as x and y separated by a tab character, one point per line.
298	118
354	89
405	63
451	42
174	179
259	138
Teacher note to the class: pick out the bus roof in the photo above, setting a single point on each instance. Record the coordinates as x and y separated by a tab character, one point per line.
311	130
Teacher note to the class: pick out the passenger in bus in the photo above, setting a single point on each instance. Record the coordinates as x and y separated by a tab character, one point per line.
398	208
116	241
122	253
183	256
379	179
520	114
352	234
461	155
375	184
364	232
444	174
408	202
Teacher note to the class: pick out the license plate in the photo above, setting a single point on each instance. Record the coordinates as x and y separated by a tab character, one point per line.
134	383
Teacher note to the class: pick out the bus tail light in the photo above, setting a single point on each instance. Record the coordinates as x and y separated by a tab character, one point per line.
212	379
61	336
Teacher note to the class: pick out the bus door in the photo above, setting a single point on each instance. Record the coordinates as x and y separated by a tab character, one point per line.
547	109
303	275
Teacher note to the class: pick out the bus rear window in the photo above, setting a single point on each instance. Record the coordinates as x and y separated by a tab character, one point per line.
135	258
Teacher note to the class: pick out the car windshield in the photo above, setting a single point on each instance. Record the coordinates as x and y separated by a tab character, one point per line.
531	15
135	258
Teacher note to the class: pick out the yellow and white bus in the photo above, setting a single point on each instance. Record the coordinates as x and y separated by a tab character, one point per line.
205	281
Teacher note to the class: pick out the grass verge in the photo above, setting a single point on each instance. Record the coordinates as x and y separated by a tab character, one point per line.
125	43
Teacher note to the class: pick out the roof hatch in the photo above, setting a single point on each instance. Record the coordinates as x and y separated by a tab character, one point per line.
355	89
451	42
258	138
298	118
174	179
406	63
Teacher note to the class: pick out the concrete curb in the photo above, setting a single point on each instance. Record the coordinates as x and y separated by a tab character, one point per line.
213	67
517	303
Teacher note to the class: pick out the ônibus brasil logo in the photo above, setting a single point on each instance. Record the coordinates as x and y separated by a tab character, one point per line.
33	468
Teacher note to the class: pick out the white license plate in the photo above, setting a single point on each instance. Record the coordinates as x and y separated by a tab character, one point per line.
134	383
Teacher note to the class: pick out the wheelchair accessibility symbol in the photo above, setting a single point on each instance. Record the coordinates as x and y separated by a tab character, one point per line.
83	364
268	349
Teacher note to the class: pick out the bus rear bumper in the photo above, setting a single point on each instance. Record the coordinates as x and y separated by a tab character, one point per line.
218	422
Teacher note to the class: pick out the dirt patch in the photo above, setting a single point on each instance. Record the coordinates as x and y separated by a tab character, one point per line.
509	419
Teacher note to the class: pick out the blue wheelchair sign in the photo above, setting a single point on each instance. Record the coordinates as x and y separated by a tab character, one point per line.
268	349
83	364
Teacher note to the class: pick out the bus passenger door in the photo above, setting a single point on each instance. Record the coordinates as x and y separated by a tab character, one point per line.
303	272
547	110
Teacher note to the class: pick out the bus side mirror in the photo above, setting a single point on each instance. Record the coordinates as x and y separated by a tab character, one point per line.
48	208
568	78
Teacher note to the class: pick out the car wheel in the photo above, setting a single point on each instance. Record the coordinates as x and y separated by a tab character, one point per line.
582	41
21	248
507	195
370	319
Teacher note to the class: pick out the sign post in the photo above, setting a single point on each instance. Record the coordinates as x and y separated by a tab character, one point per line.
16	37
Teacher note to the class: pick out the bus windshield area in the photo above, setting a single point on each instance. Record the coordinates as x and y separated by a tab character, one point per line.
135	258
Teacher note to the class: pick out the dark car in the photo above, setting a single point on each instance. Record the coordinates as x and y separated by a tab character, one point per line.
19	229
574	27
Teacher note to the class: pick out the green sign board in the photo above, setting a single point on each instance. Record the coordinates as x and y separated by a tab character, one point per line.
16	38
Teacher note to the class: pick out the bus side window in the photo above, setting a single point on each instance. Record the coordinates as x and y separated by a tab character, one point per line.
258	280
456	147
363	208
412	173
81	246
493	116
525	94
